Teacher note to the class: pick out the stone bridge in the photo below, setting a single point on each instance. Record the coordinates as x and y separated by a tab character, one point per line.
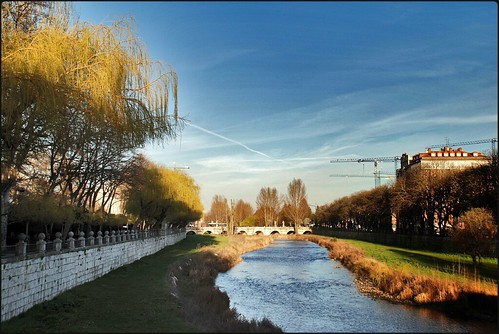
253	230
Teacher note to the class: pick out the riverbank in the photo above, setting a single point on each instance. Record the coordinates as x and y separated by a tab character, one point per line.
174	291
192	283
144	297
377	280
133	298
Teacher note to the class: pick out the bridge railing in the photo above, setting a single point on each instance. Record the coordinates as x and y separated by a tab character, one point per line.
250	229
25	248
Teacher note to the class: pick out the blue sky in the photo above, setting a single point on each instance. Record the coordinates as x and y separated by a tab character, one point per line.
276	90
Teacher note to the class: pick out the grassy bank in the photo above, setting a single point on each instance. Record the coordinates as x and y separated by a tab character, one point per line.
174	289
453	266
416	277
135	298
192	282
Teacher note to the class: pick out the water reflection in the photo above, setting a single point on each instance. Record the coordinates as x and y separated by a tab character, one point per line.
299	288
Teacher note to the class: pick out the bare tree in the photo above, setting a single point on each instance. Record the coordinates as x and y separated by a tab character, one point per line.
474	232
297	195
242	211
219	210
268	204
230	221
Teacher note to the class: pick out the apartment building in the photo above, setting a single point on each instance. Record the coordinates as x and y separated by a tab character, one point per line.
446	158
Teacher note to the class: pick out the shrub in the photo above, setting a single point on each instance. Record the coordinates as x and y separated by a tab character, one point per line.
473	232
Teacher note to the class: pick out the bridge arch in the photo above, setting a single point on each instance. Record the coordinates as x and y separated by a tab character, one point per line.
252	230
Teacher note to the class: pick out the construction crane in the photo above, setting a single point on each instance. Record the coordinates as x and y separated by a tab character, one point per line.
376	161
377	180
493	141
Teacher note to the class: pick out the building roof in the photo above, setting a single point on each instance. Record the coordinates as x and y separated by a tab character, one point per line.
445	158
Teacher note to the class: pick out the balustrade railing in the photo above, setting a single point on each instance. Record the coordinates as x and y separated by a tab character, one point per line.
24	249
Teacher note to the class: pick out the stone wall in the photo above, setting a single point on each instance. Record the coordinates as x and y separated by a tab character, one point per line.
39	278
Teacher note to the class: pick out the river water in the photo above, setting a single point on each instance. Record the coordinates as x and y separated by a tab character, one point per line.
300	289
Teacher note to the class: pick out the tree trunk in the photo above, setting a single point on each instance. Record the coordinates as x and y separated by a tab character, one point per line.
4	210
8	182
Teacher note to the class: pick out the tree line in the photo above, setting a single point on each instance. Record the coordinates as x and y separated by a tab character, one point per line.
421	202
78	101
272	208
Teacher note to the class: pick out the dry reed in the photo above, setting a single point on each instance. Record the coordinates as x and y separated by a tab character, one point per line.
192	283
404	286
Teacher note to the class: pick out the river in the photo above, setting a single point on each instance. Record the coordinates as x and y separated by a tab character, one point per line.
300	289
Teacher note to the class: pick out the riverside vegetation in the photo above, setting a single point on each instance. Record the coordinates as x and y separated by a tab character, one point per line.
441	281
174	290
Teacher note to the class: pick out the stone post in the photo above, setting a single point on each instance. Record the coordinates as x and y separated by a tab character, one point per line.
71	241
106	237
99	238
41	244
58	241
21	246
91	238
113	236
81	239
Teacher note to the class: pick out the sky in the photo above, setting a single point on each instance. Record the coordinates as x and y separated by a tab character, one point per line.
274	91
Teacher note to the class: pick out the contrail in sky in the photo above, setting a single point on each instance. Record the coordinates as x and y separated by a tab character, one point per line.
232	141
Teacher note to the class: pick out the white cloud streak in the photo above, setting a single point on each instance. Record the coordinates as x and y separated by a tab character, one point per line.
233	141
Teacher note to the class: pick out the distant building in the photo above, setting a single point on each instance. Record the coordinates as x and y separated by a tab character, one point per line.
432	163
445	159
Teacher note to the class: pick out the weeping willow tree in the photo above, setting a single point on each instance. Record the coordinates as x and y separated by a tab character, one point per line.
160	194
53	64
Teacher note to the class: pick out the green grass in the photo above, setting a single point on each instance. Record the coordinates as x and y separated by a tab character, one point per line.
446	265
135	298
132	298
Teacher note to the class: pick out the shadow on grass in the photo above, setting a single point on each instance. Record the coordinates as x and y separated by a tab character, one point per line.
131	298
196	241
485	270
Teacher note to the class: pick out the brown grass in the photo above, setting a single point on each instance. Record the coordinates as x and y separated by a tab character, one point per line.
407	287
192	283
